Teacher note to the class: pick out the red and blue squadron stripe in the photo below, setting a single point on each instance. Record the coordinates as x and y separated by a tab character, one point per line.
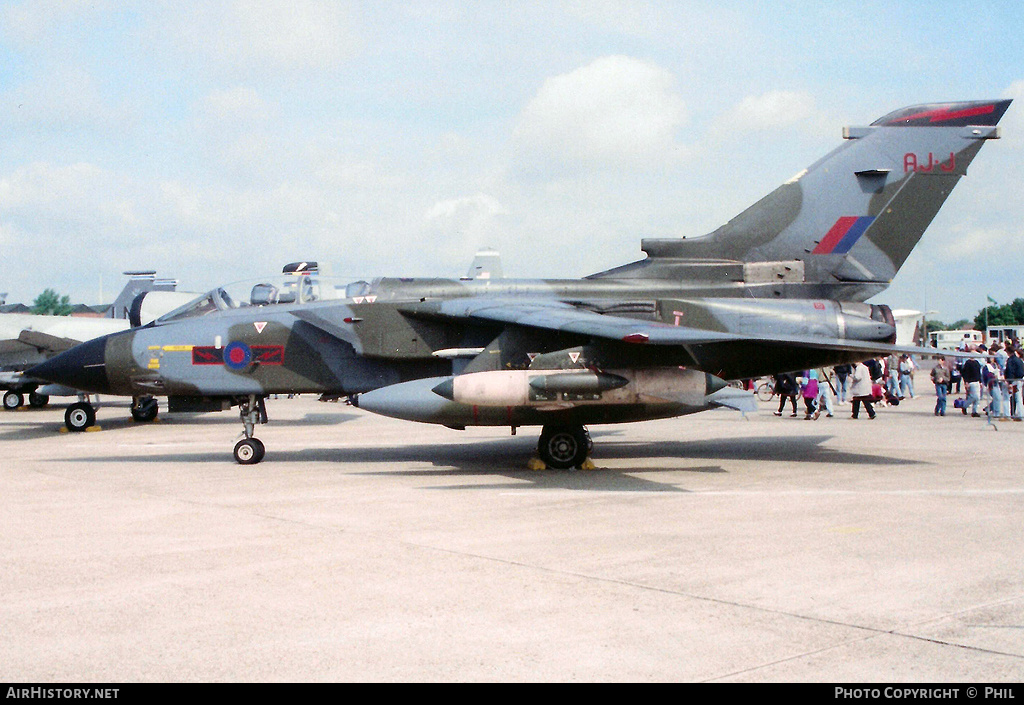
841	238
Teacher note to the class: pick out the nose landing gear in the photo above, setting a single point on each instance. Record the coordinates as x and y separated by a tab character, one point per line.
13	400
80	416
250	450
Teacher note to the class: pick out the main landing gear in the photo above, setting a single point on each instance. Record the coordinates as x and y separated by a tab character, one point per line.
250	450
564	447
144	409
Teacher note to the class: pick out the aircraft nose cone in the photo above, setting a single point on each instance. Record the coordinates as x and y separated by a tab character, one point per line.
82	367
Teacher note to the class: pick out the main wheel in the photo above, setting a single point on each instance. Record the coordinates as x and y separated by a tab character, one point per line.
563	447
144	409
79	416
37	400
249	451
13	400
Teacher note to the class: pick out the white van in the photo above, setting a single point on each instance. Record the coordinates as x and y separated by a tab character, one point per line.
998	334
952	339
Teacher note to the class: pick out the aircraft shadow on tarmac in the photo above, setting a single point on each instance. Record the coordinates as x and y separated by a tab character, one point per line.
27	427
507	457
789	449
483	458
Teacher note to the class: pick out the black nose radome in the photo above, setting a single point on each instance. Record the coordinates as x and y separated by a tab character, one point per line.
82	367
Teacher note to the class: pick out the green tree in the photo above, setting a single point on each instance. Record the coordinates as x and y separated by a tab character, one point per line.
50	303
1011	314
1017	307
962	324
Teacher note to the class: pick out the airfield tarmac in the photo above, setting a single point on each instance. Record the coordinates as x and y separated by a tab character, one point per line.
707	548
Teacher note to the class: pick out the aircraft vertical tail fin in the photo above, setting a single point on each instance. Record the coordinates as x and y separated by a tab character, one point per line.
139	282
850	220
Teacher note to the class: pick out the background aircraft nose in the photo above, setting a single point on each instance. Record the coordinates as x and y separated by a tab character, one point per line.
82	367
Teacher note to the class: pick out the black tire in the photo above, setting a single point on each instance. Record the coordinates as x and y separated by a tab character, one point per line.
249	451
37	400
13	400
765	391
79	416
145	409
563	447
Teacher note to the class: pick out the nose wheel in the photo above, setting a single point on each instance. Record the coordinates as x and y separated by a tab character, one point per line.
80	416
253	411
13	400
249	451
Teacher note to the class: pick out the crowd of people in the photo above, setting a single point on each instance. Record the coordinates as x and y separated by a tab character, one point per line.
992	379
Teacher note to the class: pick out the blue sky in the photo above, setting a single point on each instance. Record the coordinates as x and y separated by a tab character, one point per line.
216	141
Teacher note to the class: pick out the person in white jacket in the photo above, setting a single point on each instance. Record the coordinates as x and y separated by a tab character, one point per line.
861	390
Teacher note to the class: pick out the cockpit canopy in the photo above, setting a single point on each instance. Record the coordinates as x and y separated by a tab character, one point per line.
270	291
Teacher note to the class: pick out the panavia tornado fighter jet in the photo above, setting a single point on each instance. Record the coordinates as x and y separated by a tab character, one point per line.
778	288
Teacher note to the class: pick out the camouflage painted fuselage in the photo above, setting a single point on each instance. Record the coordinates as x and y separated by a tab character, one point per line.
760	295
347	346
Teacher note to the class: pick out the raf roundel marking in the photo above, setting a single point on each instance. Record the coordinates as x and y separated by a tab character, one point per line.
237	355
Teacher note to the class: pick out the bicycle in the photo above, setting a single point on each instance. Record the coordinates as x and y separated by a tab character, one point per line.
766	390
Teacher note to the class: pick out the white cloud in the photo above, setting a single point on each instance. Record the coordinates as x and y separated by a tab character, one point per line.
1012	124
54	189
770	110
615	112
460	226
972	244
477	207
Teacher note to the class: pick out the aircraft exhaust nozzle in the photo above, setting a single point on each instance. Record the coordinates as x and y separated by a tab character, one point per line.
868	329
